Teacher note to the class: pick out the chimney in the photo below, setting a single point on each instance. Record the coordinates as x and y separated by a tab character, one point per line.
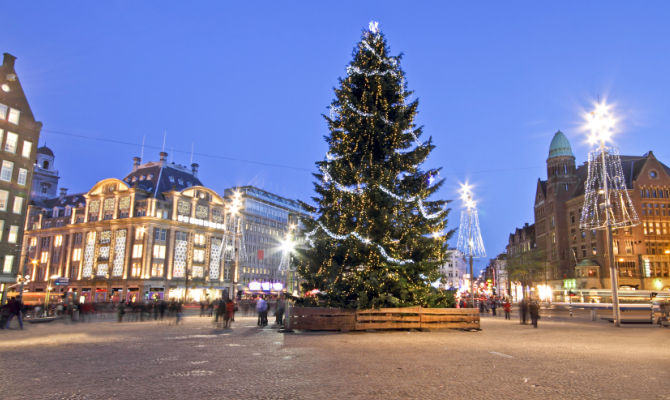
136	162
163	156
8	60
194	169
63	192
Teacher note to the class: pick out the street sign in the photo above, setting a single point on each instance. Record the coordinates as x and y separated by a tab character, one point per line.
62	281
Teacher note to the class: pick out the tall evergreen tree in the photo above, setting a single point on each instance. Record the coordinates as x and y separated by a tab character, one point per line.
376	240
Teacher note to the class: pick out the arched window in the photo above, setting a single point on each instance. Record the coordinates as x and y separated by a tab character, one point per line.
45	164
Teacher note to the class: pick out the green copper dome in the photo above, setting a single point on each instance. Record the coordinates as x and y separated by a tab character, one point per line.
560	146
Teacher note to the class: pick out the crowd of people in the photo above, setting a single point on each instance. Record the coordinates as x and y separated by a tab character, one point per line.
529	309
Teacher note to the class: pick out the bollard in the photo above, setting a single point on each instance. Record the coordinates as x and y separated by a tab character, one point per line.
594	315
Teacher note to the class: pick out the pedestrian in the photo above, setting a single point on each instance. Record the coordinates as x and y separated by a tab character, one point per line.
507	307
15	310
230	313
121	311
494	305
202	308
178	310
210	308
262	309
220	311
534	308
279	312
523	311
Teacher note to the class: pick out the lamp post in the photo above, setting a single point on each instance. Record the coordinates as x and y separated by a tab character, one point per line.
286	265
606	200
234	228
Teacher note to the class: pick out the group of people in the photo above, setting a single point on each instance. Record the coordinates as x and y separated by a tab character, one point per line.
262	309
137	311
225	312
529	309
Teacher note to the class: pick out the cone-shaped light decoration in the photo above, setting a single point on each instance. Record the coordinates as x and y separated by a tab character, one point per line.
469	235
606	199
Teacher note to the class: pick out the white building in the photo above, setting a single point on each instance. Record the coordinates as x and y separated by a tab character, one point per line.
453	270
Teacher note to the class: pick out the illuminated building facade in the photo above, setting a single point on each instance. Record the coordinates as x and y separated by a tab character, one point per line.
267	219
19	135
453	270
152	234
641	253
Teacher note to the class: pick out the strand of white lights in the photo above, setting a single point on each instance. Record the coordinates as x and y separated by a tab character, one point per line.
389	61
422	207
360	238
331	157
364	114
327	177
334	112
352	69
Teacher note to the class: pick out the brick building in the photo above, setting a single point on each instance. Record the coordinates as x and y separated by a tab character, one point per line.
19	135
642	252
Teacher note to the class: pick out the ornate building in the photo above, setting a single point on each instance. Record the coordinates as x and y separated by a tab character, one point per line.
157	233
45	176
642	253
19	134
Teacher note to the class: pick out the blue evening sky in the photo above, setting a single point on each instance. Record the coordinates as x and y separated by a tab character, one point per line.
245	83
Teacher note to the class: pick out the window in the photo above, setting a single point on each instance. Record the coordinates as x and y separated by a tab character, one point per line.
160	234
3	111
198	255
7	266
2	228
13	234
199	239
6	171
76	239
157	269
159	251
136	269
18	205
27	148
137	251
139	233
4	196
76	254
14	115
23	177
12	142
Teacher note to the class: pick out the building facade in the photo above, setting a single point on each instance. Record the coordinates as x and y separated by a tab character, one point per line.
19	135
267	218
45	176
641	253
453	271
157	233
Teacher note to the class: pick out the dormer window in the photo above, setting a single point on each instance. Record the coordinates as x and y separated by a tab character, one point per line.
171	179
653	174
188	183
142	177
181	182
150	176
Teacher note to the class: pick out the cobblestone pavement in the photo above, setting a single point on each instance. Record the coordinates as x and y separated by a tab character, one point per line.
149	360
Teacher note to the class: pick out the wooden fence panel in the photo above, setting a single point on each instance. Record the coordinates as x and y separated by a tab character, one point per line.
322	319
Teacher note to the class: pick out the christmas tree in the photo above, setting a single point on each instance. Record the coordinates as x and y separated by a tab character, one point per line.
375	240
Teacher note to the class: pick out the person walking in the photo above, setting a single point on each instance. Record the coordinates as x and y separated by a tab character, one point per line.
534	309
507	307
15	309
494	306
523	311
230	313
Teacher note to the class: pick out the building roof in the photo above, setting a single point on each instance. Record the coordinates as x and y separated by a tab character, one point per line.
560	146
72	200
161	176
45	150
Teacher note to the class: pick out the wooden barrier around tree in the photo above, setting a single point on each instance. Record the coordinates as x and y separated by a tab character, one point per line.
329	319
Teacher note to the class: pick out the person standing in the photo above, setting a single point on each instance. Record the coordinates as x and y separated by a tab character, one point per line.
534	309
494	305
262	309
279	313
230	312
507	307
523	311
15	309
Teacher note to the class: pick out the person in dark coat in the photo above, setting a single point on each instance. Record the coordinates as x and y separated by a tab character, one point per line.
523	311
15	310
534	309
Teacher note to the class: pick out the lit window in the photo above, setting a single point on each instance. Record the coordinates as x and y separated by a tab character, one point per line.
7	266
27	148
136	269
12	142
139	233
18	205
58	240
171	179
76	254
13	234
137	251
6	171
4	196
198	255
157	269
44	257
3	111
181	182
159	251
23	176
2	228
14	116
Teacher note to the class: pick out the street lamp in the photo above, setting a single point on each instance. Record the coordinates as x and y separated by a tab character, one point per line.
285	265
234	228
607	204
